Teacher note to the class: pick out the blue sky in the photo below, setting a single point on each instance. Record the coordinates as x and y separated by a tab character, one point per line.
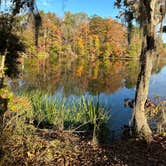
104	8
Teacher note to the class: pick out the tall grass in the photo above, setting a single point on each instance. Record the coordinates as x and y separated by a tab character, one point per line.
95	114
84	114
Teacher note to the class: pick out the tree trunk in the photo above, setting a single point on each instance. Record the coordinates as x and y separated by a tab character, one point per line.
142	128
2	70
148	53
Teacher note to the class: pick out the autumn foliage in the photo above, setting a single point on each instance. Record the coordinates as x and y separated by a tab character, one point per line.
76	35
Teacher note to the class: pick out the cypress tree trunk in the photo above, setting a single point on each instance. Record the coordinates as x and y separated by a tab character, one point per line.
141	125
147	54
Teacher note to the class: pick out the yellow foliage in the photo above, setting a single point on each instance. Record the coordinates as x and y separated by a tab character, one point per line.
79	71
18	103
6	93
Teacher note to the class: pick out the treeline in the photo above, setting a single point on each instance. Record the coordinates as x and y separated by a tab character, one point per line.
77	35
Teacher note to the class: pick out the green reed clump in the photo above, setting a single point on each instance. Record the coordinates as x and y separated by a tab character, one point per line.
84	114
96	115
46	111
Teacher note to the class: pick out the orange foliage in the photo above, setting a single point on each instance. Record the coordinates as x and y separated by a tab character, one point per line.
116	35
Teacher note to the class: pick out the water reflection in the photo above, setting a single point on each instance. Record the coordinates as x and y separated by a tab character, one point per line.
113	80
79	76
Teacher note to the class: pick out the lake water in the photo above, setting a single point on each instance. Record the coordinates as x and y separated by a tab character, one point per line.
112	80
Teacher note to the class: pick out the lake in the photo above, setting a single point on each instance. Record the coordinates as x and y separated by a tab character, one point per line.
113	80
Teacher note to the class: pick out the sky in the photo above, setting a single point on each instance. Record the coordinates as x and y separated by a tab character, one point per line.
104	8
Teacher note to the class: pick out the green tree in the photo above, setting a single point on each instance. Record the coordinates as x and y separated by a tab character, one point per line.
98	26
10	42
73	29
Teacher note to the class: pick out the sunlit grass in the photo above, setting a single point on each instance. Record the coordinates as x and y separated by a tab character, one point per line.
83	114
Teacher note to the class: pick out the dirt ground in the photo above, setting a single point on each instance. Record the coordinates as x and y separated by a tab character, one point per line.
51	147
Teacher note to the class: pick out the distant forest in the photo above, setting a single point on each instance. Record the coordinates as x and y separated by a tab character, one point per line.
79	35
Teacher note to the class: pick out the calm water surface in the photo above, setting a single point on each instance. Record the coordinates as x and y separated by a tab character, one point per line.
112	80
